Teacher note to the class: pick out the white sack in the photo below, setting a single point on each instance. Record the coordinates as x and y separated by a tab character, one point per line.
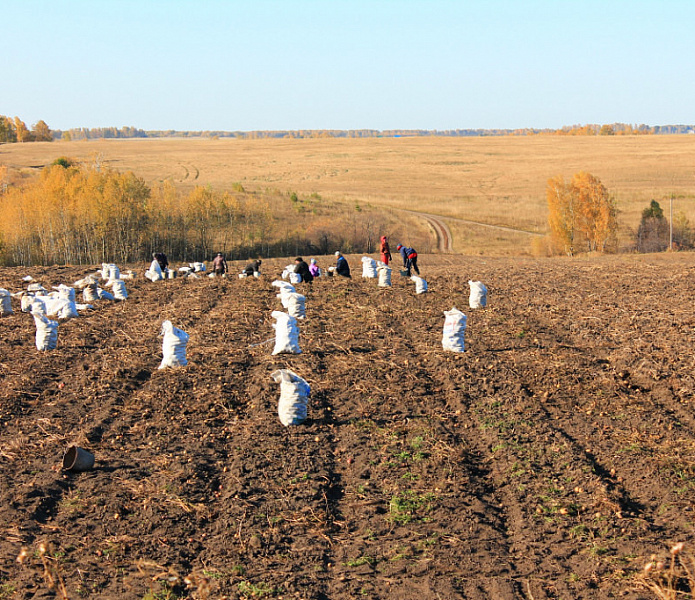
384	276
286	333
118	288
420	284
85	281
173	346
60	308
294	395
28	301
283	285
5	303
65	291
46	332
104	295
198	267
368	267
37	288
154	273
295	304
454	331
89	293
478	297
110	271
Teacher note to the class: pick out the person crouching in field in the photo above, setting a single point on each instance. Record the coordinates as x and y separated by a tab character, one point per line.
253	268
162	259
302	269
409	259
342	267
219	264
385	250
314	268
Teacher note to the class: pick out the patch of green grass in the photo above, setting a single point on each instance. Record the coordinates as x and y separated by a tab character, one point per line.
71	503
633	448
361	560
407	506
7	591
214	574
256	590
166	593
416	442
596	550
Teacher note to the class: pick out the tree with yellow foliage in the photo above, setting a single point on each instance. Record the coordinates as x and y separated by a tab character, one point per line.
21	131
581	211
561	214
597	211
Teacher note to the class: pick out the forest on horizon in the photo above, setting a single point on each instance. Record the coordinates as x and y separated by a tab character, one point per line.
15	130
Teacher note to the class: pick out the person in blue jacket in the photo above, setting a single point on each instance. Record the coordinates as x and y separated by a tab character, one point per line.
409	259
341	265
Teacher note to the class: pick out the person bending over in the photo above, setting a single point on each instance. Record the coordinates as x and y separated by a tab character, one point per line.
409	259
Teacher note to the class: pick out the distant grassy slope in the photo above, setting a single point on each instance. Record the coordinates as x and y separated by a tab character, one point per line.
498	180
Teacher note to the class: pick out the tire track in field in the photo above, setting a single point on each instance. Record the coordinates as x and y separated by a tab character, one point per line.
445	240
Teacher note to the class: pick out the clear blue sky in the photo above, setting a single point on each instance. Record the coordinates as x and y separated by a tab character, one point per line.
347	64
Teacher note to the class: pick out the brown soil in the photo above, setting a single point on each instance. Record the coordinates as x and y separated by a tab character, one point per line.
549	460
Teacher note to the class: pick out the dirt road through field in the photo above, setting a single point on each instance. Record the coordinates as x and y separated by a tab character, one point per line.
445	240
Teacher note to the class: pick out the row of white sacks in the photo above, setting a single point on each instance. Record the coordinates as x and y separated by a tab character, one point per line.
294	390
156	273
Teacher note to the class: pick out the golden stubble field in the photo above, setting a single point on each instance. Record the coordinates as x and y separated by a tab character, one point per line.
492	180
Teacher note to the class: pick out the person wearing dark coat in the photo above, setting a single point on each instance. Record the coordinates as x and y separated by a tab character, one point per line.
161	258
342	267
409	259
252	268
302	269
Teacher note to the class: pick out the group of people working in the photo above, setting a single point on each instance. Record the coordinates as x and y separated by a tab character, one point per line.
409	256
310	270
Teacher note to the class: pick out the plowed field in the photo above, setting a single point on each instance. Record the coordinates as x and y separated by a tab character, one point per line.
550	460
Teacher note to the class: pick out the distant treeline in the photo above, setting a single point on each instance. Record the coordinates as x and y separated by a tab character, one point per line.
15	130
132	132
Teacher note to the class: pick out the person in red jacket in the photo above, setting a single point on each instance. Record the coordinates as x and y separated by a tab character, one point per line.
385	250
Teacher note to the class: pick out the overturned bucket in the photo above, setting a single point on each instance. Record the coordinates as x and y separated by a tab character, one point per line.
77	459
